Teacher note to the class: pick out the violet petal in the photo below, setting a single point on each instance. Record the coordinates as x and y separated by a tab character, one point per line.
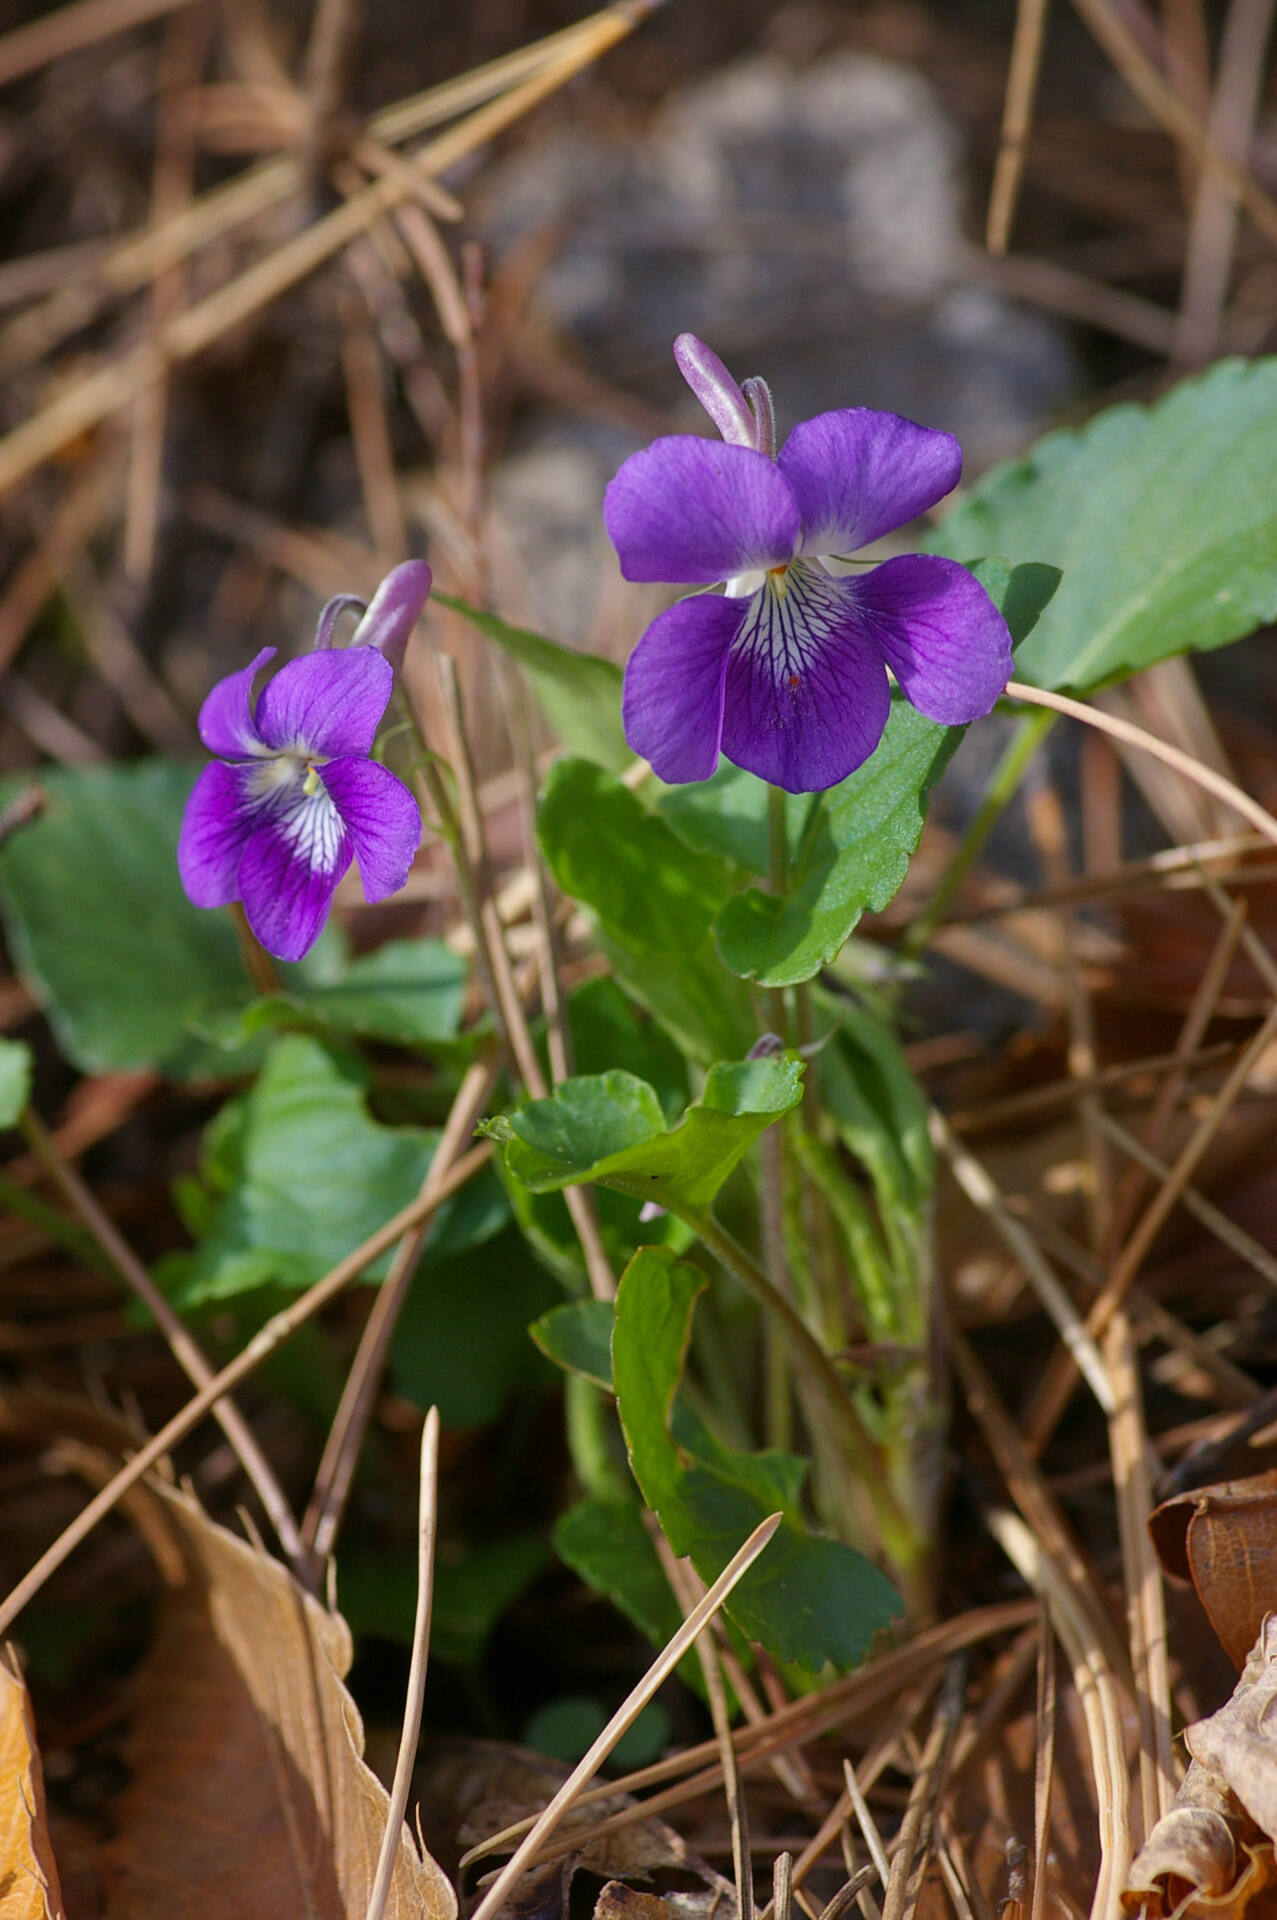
226	722
697	512
220	815
721	397
382	819
394	611
672	701
806	695
329	702
939	632
296	853
858	474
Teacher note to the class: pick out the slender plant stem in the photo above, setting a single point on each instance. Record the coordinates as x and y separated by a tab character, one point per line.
777	840
590	1426
862	1450
778	1397
1032	730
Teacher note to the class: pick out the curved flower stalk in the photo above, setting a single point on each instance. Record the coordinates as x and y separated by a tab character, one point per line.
293	796
786	672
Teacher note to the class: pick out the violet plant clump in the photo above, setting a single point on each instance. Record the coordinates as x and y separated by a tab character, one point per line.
294	795
786	672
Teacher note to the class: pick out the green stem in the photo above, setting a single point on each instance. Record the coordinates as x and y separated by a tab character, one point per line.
591	1429
1032	730
899	1537
777	840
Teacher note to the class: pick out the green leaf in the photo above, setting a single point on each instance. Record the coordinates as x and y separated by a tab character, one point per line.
409	993
609	1127
579	693
133	975
606	1543
461	1343
608	1029
653	899
578	1338
860	836
101	931
1163	519
854	857
378	1594
808	1600
727	815
299	1174
15	1080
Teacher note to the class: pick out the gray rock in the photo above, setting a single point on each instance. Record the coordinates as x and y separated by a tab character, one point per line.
807	223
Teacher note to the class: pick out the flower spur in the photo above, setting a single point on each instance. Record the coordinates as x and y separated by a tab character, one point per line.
786	673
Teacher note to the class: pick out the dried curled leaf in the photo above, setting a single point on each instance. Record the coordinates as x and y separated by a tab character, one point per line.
1238	1745
1211	1857
248	1769
29	1887
474	1788
1224	1538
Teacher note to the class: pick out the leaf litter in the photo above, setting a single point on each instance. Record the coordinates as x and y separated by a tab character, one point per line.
246	1748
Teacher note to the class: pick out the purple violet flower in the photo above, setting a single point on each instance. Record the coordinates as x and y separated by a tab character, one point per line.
786	673
293	795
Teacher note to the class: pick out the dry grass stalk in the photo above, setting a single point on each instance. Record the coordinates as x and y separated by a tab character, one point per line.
1235	1238
994	1115
1017	115
800	1721
1043	1764
1173	867
81	510
131	263
1051	1398
983	1194
913	1842
182	56
625	1716
358	1395
1122	730
82	24
1201	1010
92	399
1171	113
1212	233
1036	1503
370	433
264	1342
427	1529
689	1591
1142	1576
184	1348
1097	1691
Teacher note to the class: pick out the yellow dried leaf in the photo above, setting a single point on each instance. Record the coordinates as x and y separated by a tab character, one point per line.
29	1887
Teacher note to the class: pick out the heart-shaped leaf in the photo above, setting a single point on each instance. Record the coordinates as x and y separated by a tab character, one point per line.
1163	520
609	1127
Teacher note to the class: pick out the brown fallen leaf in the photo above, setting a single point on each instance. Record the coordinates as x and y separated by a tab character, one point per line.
473	1788
29	1888
1224	1538
1212	1857
250	1795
